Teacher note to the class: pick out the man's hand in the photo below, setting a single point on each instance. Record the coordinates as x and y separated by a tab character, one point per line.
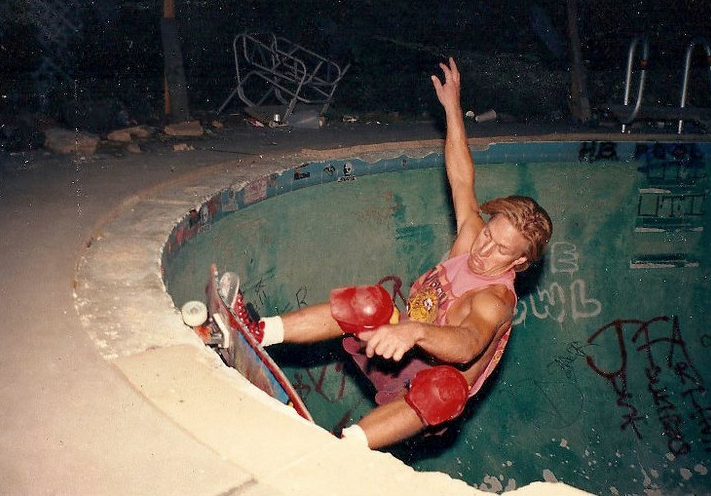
448	93
390	341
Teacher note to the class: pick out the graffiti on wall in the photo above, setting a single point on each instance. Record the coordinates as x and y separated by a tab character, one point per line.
327	381
667	366
671	163
320	380
574	351
563	298
593	151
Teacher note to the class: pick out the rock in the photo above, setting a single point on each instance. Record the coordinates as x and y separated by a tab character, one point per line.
188	128
126	134
307	119
182	147
140	131
133	148
120	135
70	142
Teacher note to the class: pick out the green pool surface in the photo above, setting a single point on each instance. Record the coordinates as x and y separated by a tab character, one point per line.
603	383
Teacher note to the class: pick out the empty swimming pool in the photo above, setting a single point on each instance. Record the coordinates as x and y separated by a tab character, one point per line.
603	384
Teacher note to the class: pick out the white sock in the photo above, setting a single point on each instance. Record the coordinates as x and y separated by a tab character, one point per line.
355	434
273	330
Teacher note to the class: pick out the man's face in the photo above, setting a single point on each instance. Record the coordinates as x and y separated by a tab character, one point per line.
497	248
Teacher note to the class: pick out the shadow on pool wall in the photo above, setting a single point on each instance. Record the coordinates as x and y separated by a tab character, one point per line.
603	384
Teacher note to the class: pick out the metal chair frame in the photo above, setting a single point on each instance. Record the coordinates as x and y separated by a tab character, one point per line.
292	73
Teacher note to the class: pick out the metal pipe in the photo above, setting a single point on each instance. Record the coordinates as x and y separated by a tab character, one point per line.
687	66
644	62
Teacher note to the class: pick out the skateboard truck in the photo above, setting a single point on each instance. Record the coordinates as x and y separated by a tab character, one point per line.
222	335
214	335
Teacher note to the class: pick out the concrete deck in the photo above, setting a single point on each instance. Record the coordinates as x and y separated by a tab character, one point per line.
102	389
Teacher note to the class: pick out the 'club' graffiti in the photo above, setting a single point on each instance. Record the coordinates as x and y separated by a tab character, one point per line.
559	300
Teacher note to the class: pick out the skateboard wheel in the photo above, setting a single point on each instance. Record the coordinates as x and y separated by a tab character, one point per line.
194	313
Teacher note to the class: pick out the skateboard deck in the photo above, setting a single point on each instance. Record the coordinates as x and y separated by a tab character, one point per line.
240	350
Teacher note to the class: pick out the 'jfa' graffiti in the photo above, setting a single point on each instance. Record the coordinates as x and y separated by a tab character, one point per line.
676	365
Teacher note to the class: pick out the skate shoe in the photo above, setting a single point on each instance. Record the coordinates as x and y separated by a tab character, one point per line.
246	314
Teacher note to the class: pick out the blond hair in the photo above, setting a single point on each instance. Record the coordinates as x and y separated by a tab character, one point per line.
529	218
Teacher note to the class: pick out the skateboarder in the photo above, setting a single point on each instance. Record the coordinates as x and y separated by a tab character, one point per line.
428	363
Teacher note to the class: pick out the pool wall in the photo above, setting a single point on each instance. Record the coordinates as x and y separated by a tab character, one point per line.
626	264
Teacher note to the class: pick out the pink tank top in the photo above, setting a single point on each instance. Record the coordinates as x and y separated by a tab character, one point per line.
429	299
436	290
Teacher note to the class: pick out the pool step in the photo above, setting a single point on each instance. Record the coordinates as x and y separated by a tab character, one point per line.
663	261
671	206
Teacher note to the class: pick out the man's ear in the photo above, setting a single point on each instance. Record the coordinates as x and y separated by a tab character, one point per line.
521	263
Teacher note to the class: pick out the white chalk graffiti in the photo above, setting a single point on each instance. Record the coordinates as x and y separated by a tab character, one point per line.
564	257
558	301
582	307
552	303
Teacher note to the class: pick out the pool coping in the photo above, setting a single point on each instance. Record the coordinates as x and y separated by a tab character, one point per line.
123	305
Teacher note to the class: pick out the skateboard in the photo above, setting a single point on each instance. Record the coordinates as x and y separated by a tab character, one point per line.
220	329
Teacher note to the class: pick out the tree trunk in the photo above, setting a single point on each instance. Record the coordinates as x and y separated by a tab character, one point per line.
176	92
579	103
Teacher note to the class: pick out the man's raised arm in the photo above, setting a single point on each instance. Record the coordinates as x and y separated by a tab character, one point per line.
458	159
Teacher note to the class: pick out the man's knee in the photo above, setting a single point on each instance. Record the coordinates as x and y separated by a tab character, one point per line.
438	394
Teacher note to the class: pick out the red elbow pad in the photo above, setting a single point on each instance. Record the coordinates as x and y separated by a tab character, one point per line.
361	308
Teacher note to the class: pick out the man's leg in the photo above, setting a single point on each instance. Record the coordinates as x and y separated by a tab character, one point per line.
386	424
310	324
351	309
390	423
435	395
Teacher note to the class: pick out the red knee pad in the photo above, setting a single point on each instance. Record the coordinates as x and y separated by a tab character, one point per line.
438	394
361	308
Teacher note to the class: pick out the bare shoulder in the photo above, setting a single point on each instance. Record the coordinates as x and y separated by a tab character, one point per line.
488	307
493	303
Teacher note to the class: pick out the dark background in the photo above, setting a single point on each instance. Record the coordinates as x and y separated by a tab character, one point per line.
106	56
